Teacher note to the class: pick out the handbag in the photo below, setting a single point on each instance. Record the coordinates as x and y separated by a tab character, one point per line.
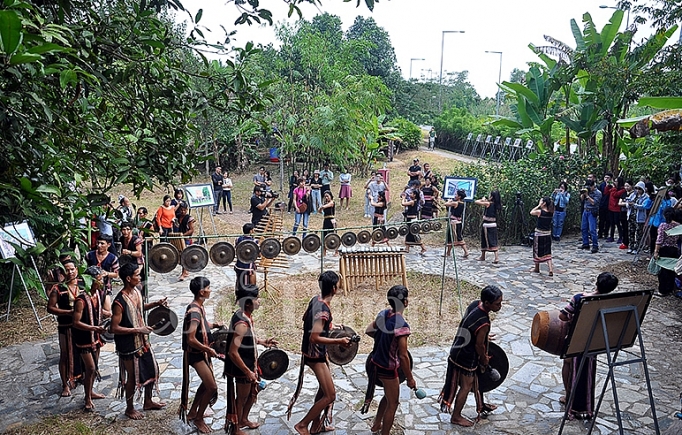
653	267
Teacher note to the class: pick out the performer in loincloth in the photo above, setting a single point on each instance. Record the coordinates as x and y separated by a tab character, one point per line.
582	406
197	339
137	365
468	354
317	322
87	316
60	303
411	204
240	365
378	218
489	233
390	332
456	212
245	272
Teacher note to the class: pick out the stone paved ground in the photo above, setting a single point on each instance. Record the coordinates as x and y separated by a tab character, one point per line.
528	399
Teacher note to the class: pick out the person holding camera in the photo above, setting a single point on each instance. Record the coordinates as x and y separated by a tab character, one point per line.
260	204
590	196
560	197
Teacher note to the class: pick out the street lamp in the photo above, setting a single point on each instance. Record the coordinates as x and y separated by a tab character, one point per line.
627	20
440	77
413	59
499	82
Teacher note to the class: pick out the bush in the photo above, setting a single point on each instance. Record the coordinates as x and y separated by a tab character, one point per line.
409	132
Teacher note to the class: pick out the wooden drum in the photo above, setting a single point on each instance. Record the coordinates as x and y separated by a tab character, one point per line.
549	332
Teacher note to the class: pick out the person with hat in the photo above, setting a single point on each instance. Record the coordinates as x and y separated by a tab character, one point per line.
197	352
138	367
241	368
315	192
415	171
640	207
259	204
88	313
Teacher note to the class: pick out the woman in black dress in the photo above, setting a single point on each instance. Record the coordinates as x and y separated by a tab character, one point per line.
328	208
489	235
378	220
542	241
411	204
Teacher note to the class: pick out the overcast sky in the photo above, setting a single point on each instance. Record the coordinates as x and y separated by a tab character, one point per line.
415	28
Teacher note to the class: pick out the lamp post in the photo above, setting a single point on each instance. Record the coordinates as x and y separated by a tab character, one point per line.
627	19
440	77
411	60
499	82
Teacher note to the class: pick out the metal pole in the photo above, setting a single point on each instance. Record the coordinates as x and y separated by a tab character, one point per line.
499	82
411	60
440	76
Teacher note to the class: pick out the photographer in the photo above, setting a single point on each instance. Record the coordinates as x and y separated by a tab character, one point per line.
590	196
260	204
560	198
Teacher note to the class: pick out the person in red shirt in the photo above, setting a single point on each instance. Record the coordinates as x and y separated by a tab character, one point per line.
615	193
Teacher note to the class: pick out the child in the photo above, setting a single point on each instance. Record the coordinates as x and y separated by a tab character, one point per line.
390	332
317	322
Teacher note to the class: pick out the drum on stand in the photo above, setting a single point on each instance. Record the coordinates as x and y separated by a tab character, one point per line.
549	332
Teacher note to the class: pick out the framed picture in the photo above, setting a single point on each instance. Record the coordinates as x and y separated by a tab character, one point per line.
199	195
453	184
18	233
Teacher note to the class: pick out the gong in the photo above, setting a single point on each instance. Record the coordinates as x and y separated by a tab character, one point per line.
222	253
498	361
291	245
194	258
272	363
107	336
311	243
426	227
401	374
341	355
415	228
349	239
378	235
162	320
332	241
437	226
247	251
392	233
220	341
270	248
163	257
403	230
364	236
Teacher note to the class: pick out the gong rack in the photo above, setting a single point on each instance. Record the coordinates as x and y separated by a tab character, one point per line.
274	245
381	264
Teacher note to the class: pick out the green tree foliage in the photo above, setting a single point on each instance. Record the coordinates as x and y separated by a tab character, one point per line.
410	135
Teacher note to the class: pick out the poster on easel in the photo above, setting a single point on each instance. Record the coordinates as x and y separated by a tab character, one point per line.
200	195
18	234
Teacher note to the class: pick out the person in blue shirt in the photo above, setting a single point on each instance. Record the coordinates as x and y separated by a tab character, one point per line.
560	196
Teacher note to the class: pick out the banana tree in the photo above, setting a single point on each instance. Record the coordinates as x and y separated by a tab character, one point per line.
532	102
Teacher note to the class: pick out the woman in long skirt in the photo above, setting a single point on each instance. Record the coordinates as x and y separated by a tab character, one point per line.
328	208
411	202
489	239
542	242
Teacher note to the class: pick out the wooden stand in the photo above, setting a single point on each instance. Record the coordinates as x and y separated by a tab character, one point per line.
379	264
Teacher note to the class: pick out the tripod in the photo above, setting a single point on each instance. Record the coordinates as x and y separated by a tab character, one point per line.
518	222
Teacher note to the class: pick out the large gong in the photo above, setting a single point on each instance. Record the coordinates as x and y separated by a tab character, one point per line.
378	235
348	239
364	236
341	355
194	258
311	243
162	320
332	241
291	245
270	248
415	228
498	361
222	253
392	233
163	257
247	251
273	363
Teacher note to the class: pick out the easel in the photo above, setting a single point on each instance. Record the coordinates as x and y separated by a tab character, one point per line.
17	271
202	233
624	321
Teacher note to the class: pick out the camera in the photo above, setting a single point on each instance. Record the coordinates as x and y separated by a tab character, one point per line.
583	191
271	194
